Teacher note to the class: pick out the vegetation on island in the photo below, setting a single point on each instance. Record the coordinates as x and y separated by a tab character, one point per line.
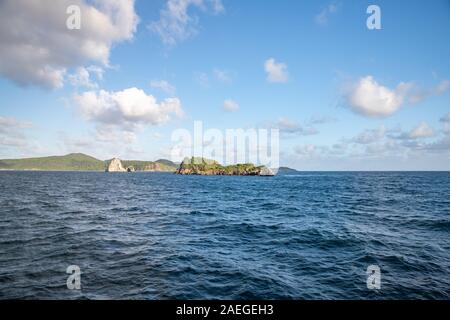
287	171
70	162
202	166
159	165
81	162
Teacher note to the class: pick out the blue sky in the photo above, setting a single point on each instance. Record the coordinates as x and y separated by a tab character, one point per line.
344	97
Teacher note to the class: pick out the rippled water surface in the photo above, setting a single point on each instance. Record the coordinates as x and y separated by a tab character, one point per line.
163	236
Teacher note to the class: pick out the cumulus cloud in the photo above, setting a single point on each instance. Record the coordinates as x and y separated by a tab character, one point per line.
176	24
323	16
276	71
367	97
420	148
230	105
164	86
38	49
423	130
82	77
222	76
289	127
128	108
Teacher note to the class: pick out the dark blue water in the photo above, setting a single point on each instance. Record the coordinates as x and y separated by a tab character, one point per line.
163	236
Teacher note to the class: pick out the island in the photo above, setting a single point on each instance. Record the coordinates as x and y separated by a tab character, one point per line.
207	167
287	171
83	162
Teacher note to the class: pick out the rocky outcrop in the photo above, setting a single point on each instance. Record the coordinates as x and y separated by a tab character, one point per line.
205	167
115	166
264	171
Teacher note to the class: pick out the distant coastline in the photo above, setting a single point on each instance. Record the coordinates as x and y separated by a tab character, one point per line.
79	162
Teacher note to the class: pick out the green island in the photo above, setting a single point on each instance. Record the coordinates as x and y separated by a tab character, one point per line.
206	167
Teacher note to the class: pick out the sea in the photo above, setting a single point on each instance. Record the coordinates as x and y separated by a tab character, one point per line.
309	235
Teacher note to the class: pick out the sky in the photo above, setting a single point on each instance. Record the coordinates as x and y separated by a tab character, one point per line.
343	96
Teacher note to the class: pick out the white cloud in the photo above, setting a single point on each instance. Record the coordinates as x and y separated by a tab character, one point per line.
371	99
230	105
163	85
324	15
290	127
82	78
105	142
222	76
128	109
202	79
445	118
306	150
207	79
416	95
370	136
16	139
9	123
176	24
12	132
276	71
440	145
37	48
442	87
423	130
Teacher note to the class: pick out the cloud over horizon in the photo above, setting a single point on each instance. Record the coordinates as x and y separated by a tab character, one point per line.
370	99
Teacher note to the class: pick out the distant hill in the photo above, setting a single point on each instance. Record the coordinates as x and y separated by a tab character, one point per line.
70	162
286	170
80	162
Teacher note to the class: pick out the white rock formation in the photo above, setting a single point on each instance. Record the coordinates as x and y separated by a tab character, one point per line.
266	172
116	166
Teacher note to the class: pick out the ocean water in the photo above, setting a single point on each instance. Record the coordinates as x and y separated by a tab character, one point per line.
164	236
